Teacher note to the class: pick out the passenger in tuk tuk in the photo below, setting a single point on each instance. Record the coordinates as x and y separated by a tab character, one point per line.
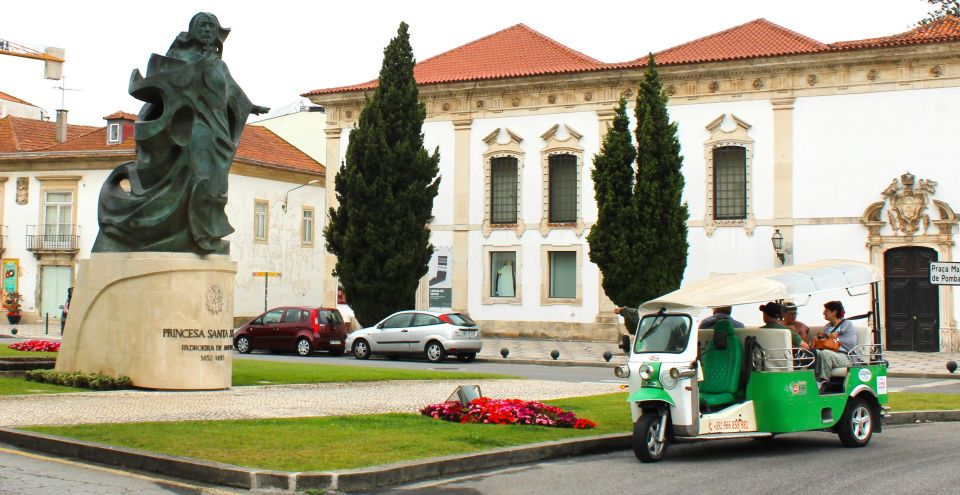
772	314
827	360
720	313
790	320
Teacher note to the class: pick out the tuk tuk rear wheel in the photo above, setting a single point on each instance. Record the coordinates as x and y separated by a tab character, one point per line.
856	424
646	438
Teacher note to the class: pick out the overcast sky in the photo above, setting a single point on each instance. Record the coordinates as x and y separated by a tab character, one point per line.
279	49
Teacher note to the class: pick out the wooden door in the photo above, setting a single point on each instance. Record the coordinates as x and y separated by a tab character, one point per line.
912	303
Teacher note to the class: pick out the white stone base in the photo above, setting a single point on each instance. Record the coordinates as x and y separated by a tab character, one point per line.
163	319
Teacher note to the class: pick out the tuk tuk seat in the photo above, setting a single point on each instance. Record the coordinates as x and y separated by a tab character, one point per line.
768	338
722	363
863	337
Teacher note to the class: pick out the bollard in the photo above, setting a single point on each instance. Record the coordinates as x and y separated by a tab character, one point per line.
607	356
504	352
555	354
46	329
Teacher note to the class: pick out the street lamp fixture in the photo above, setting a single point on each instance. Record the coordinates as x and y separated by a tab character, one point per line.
777	240
314	181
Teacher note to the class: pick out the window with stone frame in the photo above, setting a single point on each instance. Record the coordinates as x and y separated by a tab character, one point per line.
729	183
307	227
504	188
563	197
502	274
561	272
260	220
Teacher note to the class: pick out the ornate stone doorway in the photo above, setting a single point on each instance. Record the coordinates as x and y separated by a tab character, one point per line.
912	303
906	231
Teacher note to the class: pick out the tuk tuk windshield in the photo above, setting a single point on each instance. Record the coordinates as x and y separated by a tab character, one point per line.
663	333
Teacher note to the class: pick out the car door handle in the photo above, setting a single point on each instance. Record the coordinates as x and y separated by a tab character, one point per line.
404	331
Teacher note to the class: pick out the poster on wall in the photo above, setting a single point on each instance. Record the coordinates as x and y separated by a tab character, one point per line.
440	276
11	272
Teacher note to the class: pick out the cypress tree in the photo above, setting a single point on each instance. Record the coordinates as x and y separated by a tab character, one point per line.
379	232
661	213
613	239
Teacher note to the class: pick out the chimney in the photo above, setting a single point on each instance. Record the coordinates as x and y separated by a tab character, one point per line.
61	125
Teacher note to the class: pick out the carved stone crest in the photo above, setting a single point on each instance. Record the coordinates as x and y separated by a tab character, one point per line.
907	203
23	190
215	300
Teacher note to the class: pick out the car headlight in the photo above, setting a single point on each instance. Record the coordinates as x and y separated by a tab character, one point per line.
622	371
645	371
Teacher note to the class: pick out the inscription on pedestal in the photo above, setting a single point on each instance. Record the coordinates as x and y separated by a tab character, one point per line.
215	351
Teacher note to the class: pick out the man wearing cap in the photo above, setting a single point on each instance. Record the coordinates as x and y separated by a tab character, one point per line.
790	320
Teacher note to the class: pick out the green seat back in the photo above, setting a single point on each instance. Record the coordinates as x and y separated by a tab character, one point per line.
721	367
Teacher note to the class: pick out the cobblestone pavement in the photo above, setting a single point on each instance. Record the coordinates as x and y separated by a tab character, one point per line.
586	352
275	401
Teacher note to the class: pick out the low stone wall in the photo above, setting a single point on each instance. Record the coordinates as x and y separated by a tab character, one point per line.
552	330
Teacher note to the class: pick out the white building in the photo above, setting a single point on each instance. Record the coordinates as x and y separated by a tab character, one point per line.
779	132
51	175
11	105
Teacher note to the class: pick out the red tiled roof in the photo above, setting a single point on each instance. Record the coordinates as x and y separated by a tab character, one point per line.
758	38
121	115
258	145
5	96
946	29
19	134
517	51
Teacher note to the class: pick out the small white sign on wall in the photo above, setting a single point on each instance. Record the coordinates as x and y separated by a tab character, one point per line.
944	273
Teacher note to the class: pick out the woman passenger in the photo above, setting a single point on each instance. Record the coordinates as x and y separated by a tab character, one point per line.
827	360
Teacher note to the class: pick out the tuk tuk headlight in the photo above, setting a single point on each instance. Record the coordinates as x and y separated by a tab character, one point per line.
622	371
645	371
667	380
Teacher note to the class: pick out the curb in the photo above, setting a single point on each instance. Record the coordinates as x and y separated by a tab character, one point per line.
350	479
909	417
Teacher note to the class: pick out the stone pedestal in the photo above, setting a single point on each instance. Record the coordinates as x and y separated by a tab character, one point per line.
163	319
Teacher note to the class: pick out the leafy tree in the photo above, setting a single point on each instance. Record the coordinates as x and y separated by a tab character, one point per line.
613	238
944	8
386	188
661	214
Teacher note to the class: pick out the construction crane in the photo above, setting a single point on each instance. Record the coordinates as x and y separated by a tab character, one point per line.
52	57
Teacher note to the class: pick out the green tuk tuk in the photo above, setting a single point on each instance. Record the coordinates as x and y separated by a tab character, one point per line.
691	384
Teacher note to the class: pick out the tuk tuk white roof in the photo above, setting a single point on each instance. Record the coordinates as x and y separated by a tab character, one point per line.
767	285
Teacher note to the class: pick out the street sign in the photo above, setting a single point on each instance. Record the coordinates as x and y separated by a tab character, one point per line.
266	280
266	274
944	273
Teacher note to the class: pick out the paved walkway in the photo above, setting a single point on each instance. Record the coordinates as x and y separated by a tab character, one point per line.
589	352
275	401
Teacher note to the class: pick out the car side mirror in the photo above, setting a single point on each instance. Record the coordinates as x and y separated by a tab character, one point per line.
380	325
625	344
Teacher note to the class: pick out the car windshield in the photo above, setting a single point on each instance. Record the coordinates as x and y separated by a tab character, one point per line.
461	320
663	333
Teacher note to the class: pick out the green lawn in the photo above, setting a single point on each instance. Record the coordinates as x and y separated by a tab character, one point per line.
19	386
342	442
909	401
6	351
252	372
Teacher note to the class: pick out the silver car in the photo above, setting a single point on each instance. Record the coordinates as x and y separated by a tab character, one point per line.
435	335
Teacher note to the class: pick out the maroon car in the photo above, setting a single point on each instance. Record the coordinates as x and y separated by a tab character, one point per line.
300	329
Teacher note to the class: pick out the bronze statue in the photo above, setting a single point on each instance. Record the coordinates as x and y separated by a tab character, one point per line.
172	197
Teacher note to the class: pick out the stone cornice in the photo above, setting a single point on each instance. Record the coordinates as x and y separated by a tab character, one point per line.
771	78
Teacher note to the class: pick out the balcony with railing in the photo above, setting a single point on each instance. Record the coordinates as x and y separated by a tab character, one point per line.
53	238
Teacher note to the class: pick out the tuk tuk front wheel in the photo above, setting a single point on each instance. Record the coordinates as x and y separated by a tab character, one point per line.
647	443
856	424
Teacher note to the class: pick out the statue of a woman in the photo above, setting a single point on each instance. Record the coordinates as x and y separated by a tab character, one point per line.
172	197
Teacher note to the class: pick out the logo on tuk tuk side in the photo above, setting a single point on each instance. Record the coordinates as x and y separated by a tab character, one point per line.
864	375
797	388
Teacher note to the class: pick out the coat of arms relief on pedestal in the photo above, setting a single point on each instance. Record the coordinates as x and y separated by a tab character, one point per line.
907	204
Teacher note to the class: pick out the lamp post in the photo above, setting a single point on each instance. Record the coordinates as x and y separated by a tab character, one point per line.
777	240
286	194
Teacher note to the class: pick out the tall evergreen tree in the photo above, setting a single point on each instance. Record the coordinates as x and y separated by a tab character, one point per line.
661	213
386	188
613	240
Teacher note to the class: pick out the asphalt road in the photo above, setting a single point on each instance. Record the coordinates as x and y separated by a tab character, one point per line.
914	459
558	373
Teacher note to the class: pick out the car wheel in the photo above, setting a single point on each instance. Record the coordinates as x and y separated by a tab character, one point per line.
242	345
303	346
466	357
435	352
646	438
361	349
856	425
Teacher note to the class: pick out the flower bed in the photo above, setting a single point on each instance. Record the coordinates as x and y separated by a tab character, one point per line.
507	412
36	346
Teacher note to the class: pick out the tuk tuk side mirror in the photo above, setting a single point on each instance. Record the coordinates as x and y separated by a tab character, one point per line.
625	344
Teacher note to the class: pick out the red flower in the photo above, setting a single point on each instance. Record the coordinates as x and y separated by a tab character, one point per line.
507	412
36	346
